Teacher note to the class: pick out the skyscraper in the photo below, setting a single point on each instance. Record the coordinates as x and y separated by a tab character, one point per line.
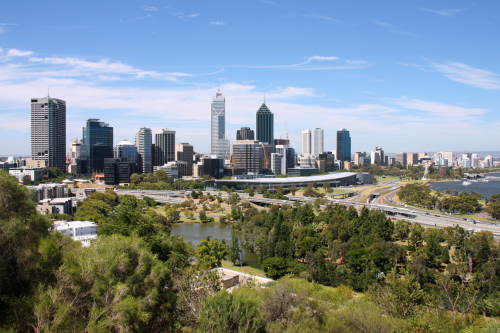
264	125
97	144
144	142
317	145
125	150
48	131
164	146
343	145
382	155
219	144
245	133
184	152
306	142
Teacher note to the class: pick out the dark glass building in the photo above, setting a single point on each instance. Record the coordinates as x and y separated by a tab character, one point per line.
343	145
97	144
214	167
118	171
245	133
264	125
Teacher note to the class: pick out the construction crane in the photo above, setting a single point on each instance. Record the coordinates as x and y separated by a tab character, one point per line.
233	162
265	156
286	131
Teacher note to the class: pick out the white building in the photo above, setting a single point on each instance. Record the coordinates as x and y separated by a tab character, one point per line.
220	146
375	157
308	161
306	142
36	174
48	191
82	231
317	143
144	144
466	163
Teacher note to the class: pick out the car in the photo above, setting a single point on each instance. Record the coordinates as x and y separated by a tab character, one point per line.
436	215
393	218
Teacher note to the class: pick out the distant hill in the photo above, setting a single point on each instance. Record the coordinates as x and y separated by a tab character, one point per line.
495	153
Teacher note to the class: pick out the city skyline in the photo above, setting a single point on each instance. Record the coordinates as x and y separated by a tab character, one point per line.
385	73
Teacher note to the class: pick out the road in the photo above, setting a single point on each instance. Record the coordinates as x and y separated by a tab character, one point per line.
395	213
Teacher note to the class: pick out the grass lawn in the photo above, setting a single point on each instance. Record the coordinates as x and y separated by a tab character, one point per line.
246	269
320	190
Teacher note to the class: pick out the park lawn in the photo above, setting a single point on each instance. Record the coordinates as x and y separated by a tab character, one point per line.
388	178
254	271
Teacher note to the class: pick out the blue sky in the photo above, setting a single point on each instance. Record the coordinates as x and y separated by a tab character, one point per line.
397	74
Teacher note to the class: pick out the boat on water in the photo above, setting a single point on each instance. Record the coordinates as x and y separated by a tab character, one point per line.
466	183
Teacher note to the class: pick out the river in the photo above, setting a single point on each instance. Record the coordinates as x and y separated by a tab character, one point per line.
195	232
486	189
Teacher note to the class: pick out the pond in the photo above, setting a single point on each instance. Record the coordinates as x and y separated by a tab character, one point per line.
195	232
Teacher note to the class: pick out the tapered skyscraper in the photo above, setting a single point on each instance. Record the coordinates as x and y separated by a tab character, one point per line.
48	131
219	145
264	124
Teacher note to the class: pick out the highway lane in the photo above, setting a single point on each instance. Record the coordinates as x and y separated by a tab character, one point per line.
434	220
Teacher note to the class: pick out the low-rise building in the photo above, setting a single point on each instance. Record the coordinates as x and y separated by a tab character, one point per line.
82	231
36	174
56	206
302	171
83	193
48	191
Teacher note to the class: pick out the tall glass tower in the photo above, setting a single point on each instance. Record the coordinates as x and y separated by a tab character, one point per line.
219	145
97	144
317	144
144	142
343	145
264	124
48	131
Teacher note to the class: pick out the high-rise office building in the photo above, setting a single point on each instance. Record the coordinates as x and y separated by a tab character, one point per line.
343	145
125	150
245	133
276	163
401	158
264	125
97	144
359	158
375	157
317	145
219	144
164	146
282	142
144	142
382	155
184	152
306	142
412	158
248	155
288	160
48	131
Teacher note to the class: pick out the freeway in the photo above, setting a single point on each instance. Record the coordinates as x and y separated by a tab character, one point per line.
396	213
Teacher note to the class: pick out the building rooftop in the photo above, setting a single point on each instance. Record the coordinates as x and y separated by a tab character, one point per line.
62	225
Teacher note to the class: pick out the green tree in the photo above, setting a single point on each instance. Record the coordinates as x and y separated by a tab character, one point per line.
402	229
234	251
399	296
97	290
161	176
292	190
274	267
210	253
203	216
54	172
230	312
27	179
135	179
224	188
416	239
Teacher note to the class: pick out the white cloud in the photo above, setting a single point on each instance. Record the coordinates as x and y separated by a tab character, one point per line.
149	8
306	65
18	53
391	28
437	108
90	90
217	23
447	12
469	75
185	16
